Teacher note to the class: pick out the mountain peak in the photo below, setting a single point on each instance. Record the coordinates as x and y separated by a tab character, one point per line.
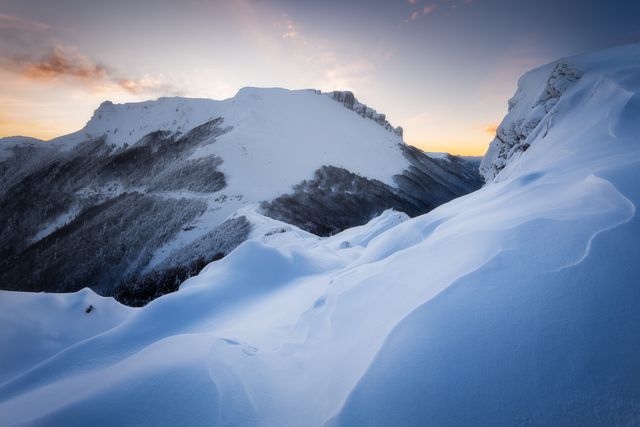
537	104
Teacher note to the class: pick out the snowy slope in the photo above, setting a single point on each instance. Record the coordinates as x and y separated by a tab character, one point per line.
33	334
143	191
513	305
270	127
7	145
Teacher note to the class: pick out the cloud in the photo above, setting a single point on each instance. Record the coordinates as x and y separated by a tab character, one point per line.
425	10
291	30
490	128
66	65
59	63
331	71
10	22
33	50
429	9
346	75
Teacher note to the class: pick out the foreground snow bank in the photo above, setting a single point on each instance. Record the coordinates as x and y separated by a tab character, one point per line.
37	326
516	304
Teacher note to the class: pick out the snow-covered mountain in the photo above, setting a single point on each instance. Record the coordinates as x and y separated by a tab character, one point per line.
531	113
139	199
514	305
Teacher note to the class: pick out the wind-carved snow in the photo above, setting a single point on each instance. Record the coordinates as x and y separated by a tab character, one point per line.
516	304
35	337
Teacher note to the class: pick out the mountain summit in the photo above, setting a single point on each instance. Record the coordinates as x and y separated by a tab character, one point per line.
143	195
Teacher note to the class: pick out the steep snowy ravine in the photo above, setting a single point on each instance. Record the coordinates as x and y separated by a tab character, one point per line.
514	305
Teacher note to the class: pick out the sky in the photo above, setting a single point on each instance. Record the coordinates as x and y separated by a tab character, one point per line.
441	69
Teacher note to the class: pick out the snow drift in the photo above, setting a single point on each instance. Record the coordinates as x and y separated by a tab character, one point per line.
513	305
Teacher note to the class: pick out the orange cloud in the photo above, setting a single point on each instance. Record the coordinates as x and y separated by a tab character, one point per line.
60	63
491	128
29	49
67	64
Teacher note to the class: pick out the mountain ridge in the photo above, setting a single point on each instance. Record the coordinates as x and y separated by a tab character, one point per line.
193	163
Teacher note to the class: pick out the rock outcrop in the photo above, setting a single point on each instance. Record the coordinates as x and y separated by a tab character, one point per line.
529	114
348	99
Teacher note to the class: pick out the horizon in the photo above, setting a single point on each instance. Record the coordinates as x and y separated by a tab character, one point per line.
441	70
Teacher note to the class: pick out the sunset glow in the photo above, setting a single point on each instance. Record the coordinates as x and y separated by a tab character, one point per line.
416	61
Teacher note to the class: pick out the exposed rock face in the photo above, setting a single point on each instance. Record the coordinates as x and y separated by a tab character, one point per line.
562	77
528	115
349	100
